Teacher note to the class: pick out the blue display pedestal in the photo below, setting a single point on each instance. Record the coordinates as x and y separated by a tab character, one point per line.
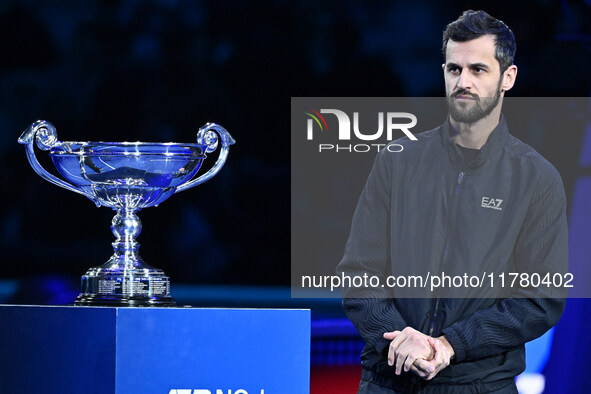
47	349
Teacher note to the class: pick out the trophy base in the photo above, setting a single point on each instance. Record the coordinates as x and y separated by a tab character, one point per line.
123	301
144	287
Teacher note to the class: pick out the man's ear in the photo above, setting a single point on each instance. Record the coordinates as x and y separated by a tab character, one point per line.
509	78
443	66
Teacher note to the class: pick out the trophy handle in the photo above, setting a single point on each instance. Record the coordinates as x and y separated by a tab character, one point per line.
210	134
45	135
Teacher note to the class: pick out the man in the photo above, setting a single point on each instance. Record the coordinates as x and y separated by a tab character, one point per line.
424	207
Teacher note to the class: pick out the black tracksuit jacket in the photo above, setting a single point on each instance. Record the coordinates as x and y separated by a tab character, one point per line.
423	208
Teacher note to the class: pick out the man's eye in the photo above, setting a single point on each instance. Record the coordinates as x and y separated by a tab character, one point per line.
453	70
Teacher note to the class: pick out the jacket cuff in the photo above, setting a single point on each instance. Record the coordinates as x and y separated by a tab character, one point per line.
456	343
382	346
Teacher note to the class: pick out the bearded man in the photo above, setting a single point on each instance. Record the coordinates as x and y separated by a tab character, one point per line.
427	206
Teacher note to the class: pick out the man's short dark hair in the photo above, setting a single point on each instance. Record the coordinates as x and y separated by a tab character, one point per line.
474	24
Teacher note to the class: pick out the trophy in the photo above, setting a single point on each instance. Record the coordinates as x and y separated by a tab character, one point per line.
126	176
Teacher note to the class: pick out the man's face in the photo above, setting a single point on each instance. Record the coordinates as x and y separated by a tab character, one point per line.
472	79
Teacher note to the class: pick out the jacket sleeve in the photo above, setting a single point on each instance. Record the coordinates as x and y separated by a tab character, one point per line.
541	247
371	310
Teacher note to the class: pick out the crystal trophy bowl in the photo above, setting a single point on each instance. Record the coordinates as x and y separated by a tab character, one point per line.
126	176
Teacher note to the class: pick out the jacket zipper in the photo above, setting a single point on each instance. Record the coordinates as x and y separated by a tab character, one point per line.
447	243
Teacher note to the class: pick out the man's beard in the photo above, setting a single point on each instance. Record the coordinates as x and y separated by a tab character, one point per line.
470	113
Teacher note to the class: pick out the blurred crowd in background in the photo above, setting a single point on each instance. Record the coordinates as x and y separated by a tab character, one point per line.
156	70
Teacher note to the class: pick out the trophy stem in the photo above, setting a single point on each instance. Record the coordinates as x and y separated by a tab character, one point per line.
126	226
125	280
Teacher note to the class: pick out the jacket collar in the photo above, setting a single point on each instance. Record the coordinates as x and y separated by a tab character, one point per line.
496	141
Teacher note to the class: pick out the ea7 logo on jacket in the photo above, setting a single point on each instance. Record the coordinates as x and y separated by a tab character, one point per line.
492	203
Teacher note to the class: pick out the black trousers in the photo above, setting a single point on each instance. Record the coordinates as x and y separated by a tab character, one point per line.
372	388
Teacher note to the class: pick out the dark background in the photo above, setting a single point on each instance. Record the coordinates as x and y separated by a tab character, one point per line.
157	70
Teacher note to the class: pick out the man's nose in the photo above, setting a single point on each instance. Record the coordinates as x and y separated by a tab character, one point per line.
464	81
